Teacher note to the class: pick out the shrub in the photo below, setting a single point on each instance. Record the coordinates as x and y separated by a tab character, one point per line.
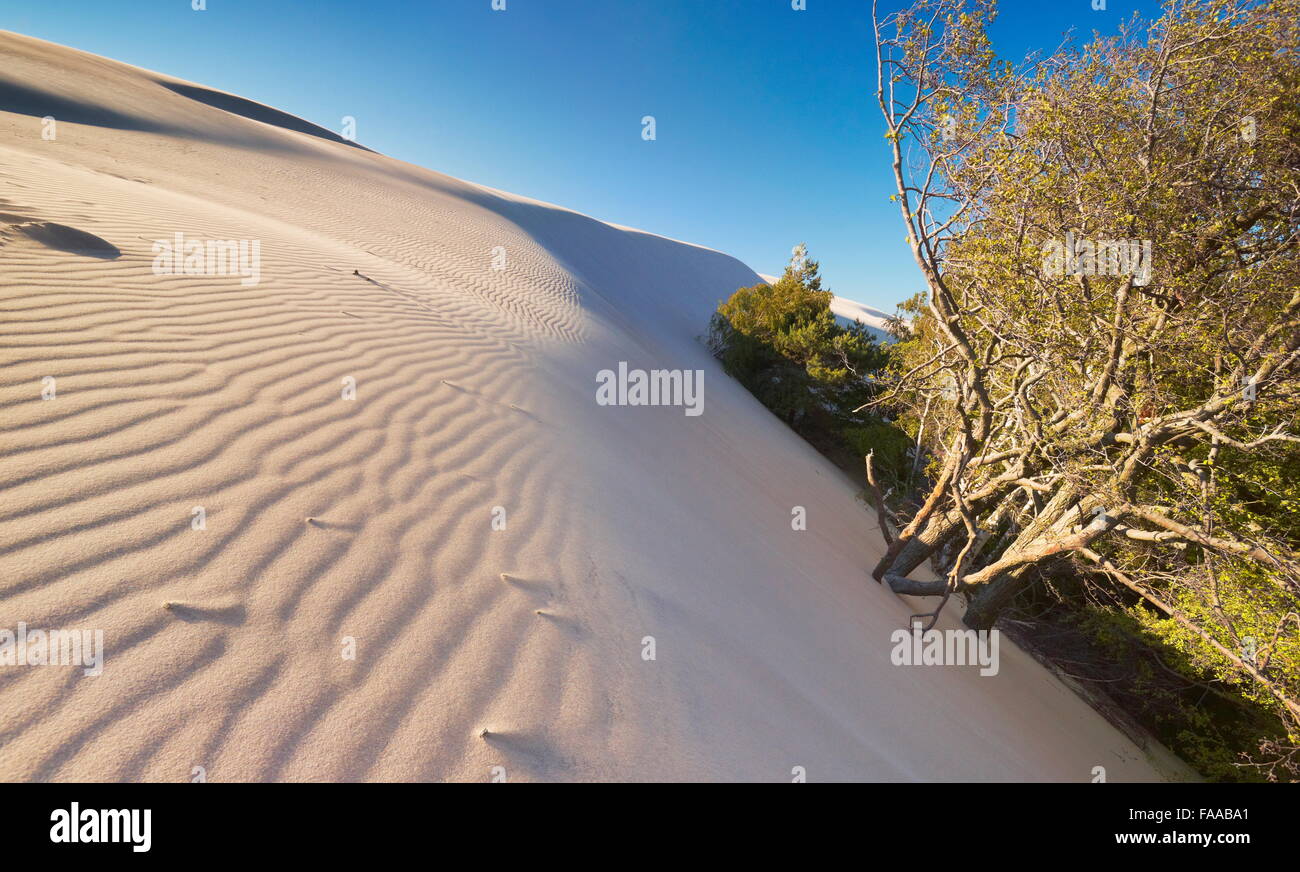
782	342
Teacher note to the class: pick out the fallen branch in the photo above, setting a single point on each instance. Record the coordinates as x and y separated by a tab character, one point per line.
878	500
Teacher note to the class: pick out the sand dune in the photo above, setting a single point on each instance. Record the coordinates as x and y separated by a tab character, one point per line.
326	518
847	311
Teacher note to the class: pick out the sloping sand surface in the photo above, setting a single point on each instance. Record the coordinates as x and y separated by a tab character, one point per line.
372	518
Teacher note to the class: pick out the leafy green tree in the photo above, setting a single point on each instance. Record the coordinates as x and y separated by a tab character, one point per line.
783	343
1105	365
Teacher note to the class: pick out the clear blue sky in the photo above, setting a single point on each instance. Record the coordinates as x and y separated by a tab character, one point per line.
767	134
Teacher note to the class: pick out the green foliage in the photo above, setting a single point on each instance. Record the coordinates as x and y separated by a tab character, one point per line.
1175	691
892	446
782	342
1111	384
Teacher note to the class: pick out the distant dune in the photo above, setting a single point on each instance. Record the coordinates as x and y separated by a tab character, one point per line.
847	311
383	441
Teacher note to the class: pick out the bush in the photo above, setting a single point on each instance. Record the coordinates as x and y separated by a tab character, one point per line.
782	342
892	447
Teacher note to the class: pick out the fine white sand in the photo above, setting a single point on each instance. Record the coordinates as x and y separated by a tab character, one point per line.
475	389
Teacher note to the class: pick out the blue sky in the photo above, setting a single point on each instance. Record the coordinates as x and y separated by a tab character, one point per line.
766	130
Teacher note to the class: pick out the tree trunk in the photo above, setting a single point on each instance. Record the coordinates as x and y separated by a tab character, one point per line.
993	597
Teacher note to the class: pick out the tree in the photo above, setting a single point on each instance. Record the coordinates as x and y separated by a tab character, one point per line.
1106	361
782	342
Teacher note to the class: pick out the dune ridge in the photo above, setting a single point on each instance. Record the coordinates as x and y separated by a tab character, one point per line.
372	519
